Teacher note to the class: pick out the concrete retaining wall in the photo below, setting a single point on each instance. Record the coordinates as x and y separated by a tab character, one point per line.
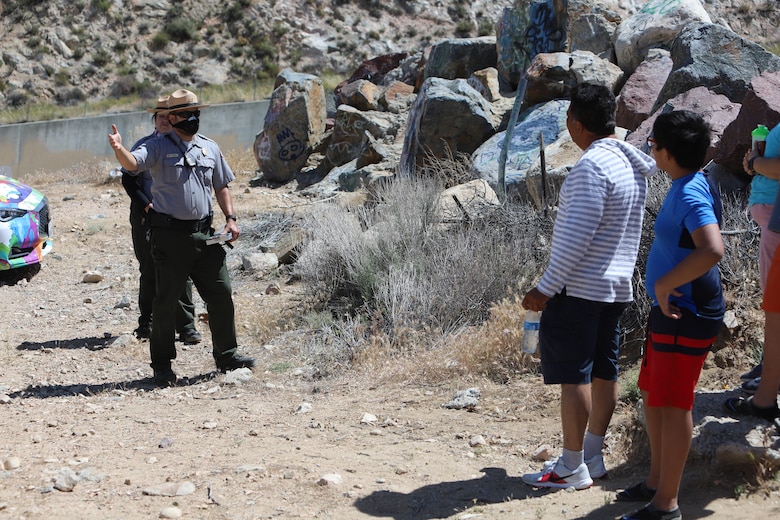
50	145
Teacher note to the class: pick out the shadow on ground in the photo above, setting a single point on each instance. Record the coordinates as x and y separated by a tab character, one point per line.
446	499
93	343
86	389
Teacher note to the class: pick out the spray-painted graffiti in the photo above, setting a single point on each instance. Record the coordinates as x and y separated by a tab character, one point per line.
263	148
290	148
548	119
660	6
525	31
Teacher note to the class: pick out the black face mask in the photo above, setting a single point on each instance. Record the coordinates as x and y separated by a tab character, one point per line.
189	126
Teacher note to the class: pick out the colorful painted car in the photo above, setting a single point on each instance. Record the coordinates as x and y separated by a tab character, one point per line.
25	225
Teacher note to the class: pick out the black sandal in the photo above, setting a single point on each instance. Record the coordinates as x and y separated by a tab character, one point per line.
742	406
638	493
648	513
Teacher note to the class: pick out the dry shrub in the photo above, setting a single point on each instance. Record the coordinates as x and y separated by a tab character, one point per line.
94	173
396	258
492	350
242	162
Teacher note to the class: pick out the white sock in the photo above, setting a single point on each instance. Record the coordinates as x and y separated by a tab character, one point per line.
593	445
572	459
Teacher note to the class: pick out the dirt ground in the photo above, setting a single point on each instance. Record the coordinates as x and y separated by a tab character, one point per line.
85	435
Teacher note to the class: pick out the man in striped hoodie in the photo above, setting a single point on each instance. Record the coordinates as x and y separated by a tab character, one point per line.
587	285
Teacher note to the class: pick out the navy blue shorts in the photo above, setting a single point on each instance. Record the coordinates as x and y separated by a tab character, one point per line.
579	340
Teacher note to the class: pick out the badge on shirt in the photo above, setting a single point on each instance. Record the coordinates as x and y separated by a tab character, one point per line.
171	156
204	151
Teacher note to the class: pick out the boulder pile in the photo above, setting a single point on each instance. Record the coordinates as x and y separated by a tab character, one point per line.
399	113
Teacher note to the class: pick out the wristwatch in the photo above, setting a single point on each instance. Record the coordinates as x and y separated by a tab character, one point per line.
231	217
750	164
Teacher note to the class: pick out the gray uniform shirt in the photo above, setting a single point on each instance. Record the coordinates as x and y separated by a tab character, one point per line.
178	190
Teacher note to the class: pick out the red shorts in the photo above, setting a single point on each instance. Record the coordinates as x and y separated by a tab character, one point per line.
772	290
674	356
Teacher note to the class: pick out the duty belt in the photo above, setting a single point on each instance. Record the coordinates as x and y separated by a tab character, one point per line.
162	220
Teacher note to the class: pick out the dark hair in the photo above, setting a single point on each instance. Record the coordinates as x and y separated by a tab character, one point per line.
594	106
685	135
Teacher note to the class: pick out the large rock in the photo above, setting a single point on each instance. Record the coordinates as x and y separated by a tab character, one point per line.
294	124
525	30
716	109
361	94
352	128
552	76
449	117
717	58
593	32
396	97
375	70
485	82
559	158
464	202
656	24
637	97
760	106
459	58
549	119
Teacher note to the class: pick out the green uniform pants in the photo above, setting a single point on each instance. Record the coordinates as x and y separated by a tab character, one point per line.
178	255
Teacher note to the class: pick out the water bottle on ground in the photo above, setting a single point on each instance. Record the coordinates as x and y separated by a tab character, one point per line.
531	332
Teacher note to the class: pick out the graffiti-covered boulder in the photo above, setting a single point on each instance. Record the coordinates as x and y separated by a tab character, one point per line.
294	124
655	25
525	30
352	129
548	119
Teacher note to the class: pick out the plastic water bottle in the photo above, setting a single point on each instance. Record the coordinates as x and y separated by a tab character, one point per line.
531	332
758	139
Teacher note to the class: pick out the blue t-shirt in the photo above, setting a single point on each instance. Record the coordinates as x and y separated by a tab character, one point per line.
688	206
763	190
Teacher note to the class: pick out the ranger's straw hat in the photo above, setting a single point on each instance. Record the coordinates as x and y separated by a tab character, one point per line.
162	105
183	100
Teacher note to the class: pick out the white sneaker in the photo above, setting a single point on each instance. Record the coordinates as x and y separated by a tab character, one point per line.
595	464
557	476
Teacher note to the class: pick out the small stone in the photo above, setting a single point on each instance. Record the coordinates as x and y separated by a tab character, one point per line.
209	425
171	512
170	489
330	479
92	277
303	408
542	453
238	376
66	480
368	418
5	399
166	442
477	440
273	289
12	463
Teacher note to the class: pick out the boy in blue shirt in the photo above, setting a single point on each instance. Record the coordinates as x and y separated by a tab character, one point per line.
684	283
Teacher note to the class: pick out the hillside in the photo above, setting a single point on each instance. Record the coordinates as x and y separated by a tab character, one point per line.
76	52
